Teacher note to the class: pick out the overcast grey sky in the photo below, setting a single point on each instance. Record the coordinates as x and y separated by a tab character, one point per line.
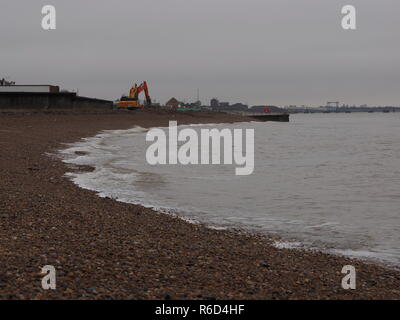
276	52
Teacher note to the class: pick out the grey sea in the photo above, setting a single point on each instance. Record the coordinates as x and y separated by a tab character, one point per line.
326	181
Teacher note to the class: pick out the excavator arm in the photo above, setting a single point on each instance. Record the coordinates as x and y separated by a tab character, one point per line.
143	87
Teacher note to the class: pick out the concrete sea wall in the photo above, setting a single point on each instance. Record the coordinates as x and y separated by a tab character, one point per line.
42	100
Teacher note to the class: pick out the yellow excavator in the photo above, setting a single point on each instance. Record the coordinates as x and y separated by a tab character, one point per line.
132	102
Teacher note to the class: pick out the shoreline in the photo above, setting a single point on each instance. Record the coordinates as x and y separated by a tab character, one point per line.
277	240
105	249
68	155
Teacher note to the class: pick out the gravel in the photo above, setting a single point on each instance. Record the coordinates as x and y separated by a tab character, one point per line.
103	249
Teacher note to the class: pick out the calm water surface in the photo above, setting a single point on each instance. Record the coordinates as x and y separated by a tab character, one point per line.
329	181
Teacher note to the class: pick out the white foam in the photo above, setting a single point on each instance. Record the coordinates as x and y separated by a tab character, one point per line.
116	175
287	245
363	254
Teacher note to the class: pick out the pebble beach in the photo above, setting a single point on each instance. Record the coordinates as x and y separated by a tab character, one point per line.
104	249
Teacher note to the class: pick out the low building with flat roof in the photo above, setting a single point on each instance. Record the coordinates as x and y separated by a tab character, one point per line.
45	97
30	88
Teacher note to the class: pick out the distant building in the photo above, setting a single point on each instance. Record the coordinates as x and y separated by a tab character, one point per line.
239	107
214	103
173	103
30	88
263	108
224	105
44	97
197	103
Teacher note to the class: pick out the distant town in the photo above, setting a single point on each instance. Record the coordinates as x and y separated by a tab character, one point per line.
12	95
330	107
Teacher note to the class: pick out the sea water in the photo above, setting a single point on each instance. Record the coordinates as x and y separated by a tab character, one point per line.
326	181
